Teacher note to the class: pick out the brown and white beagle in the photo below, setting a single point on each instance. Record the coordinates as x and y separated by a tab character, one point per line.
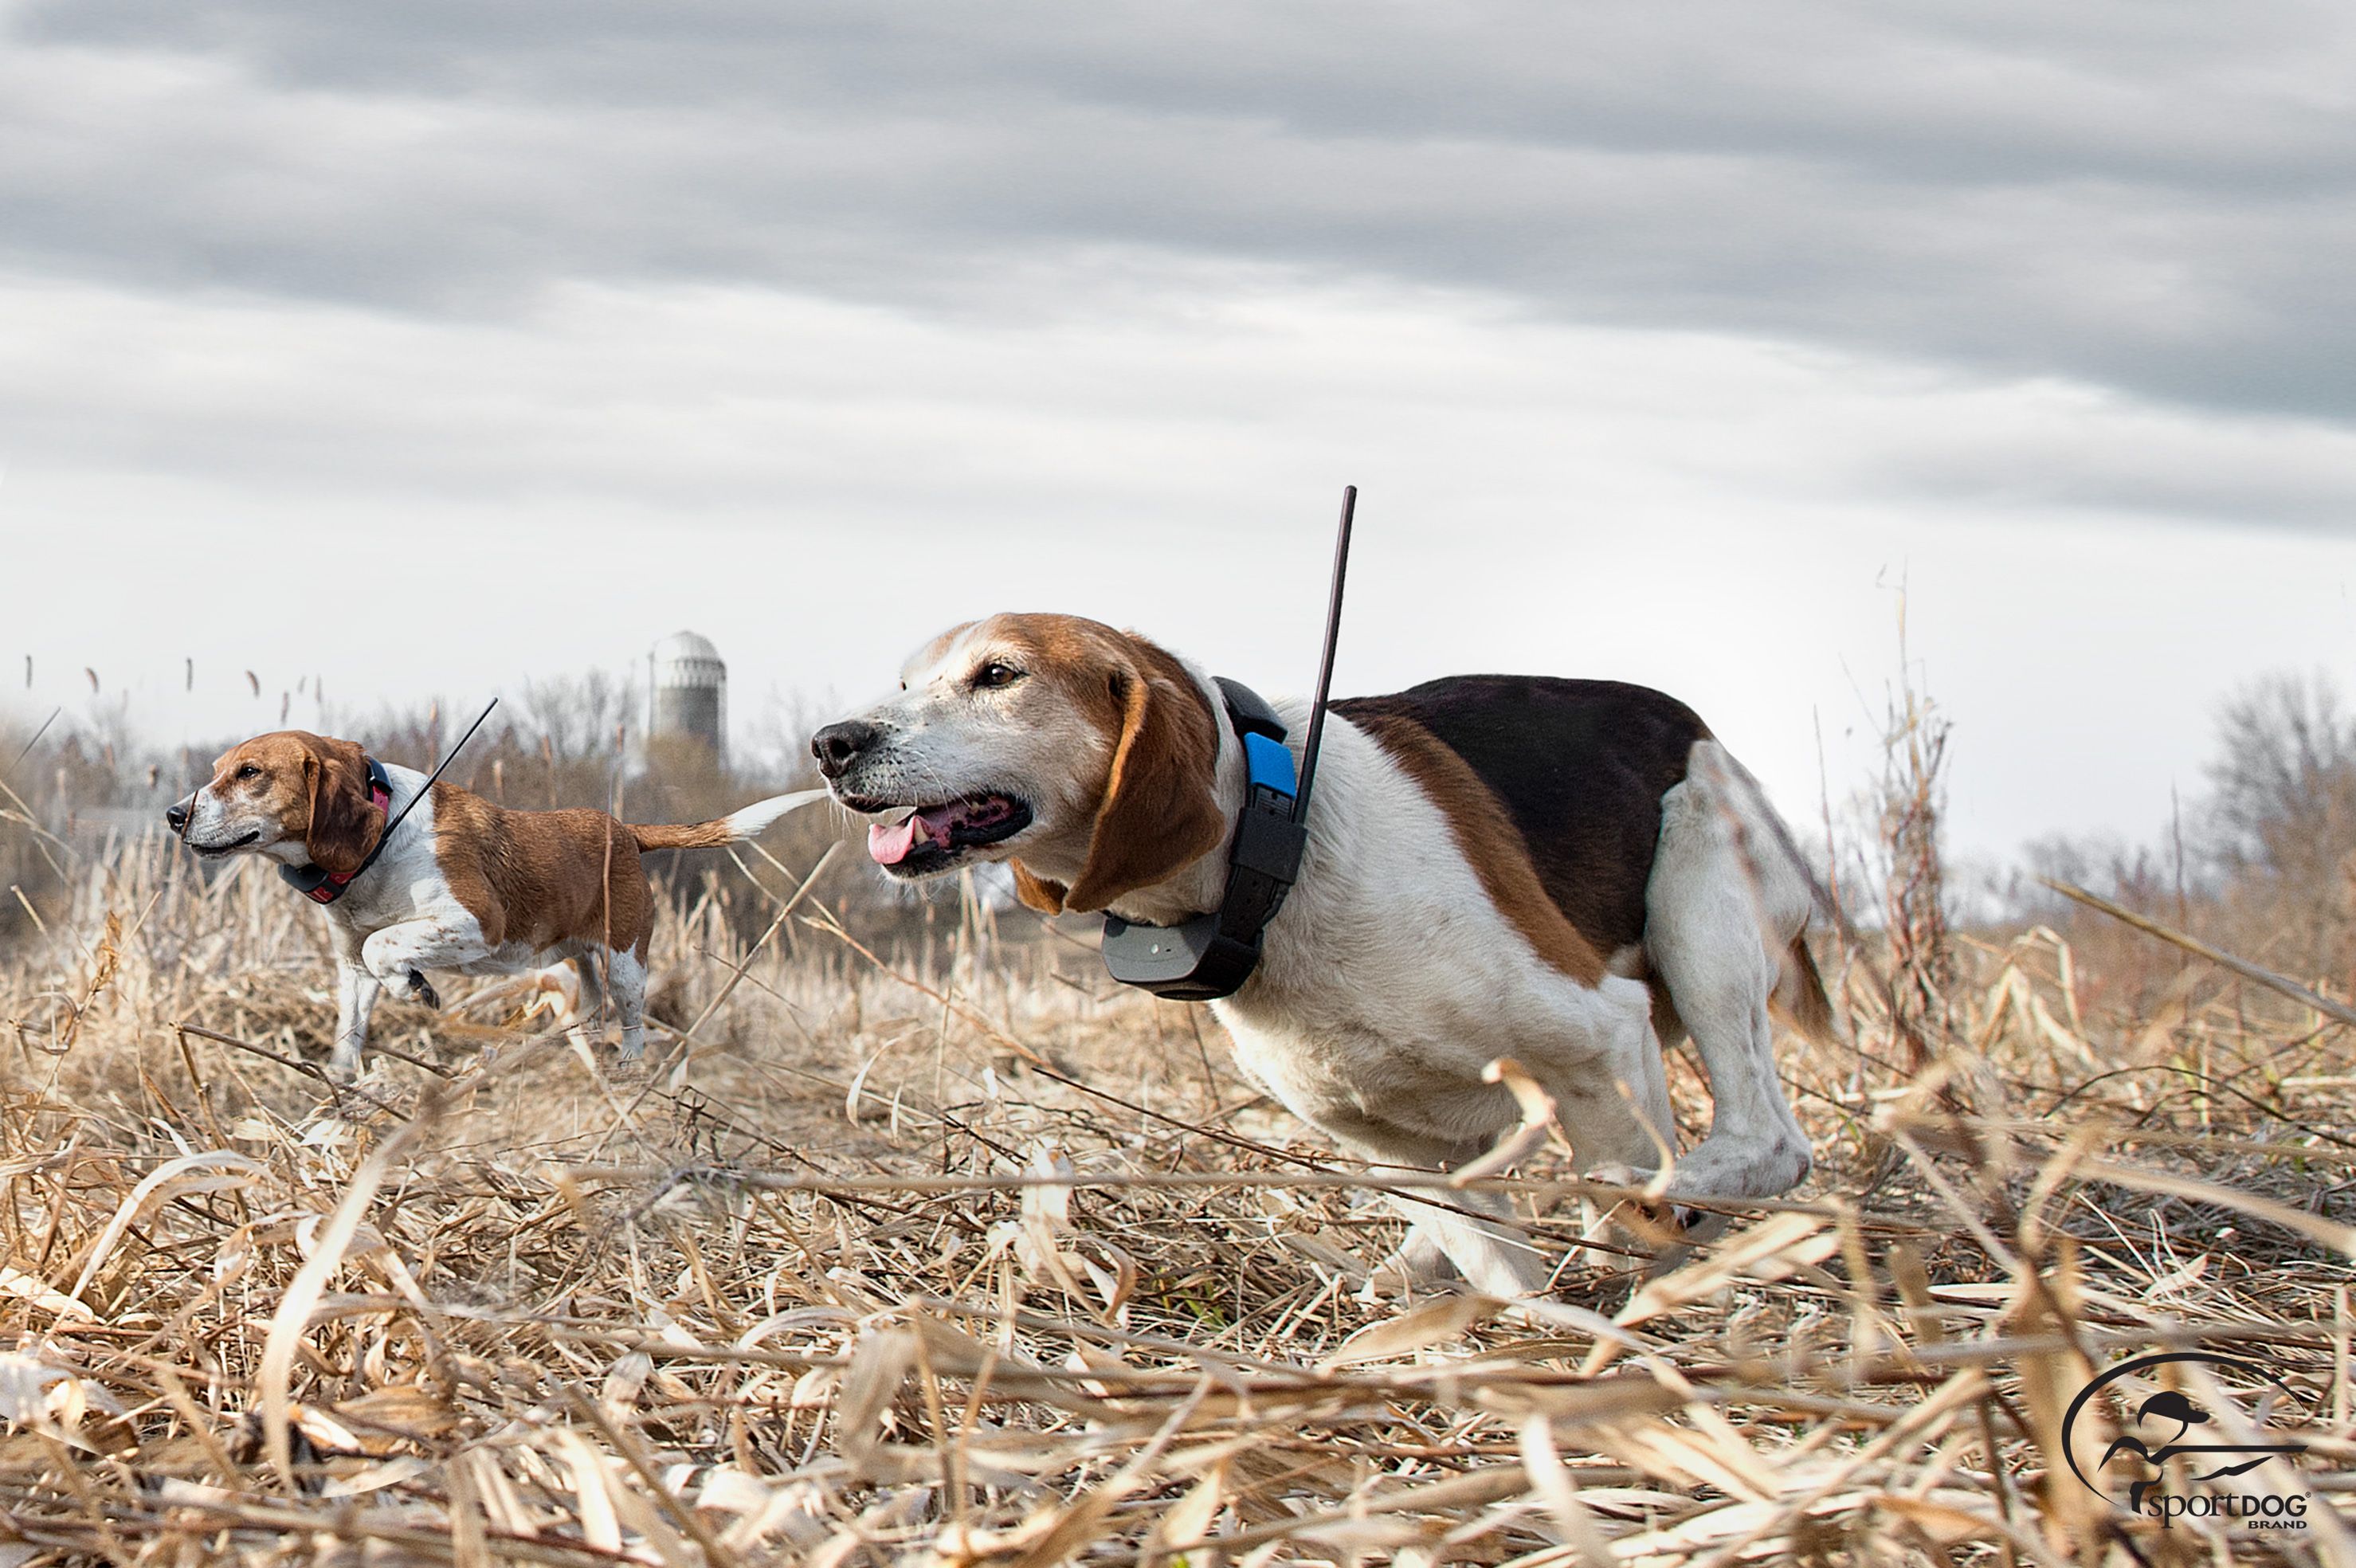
462	883
1562	871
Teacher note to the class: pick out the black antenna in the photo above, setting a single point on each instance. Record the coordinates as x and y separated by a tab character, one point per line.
38	732
427	787
1325	664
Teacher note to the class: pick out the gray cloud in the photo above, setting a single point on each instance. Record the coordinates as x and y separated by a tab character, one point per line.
2153	201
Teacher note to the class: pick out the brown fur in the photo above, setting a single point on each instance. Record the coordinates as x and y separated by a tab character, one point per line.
543	877
1489	840
681	835
1157	808
1037	892
315	785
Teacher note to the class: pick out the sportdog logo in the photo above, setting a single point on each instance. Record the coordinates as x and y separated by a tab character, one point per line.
2157	1435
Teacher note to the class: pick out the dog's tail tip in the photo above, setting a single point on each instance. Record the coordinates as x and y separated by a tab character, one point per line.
756	819
748	822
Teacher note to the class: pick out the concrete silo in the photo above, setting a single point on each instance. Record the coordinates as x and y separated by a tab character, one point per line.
688	687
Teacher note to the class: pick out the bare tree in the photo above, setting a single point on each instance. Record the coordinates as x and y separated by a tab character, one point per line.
578	714
2281	818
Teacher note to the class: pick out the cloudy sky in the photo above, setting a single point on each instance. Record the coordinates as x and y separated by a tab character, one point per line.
425	348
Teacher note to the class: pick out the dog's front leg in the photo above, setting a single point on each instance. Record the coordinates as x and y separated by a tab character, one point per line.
400	955
356	993
1473	1230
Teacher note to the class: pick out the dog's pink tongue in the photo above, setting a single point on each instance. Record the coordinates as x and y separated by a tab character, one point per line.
888	844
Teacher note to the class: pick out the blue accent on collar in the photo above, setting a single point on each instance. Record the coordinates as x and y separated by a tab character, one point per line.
1268	765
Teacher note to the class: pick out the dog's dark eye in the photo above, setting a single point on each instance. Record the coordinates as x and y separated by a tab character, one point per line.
994	674
249	771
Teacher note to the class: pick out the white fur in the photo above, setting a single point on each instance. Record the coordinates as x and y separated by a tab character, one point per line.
1723	903
1390	979
754	820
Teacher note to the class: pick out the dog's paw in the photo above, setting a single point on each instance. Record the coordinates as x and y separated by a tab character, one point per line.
629	1070
1700	1225
422	990
1618	1175
1656	1222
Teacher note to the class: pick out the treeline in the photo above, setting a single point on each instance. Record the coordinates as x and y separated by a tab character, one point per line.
2260	859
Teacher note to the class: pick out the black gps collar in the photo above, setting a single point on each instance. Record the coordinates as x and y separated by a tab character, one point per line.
1213	954
324	887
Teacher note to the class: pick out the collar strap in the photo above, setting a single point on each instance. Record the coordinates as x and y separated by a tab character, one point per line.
1212	955
322	886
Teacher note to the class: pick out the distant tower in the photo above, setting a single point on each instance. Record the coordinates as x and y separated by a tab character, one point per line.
688	688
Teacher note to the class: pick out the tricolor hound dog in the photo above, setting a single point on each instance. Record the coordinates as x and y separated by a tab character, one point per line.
1497	866
462	885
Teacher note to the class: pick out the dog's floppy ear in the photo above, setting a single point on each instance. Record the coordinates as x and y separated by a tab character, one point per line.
1037	892
1159	811
345	822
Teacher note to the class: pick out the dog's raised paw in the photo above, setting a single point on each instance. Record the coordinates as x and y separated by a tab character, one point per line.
422	990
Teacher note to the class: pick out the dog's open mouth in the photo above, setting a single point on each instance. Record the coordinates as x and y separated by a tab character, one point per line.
225	848
927	838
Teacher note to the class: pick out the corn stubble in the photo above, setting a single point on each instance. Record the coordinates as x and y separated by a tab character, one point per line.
973	1258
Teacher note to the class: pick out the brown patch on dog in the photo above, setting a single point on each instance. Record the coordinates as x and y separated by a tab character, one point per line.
1157	810
1037	892
1488	840
317	787
345	820
547	877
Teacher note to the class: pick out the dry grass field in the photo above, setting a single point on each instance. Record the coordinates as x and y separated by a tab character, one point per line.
960	1254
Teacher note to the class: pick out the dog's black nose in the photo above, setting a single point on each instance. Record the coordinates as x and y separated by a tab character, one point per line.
175	816
837	746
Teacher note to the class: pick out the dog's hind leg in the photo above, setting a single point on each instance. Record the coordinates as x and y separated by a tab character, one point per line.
1721	906
589	1019
625	978
593	1000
